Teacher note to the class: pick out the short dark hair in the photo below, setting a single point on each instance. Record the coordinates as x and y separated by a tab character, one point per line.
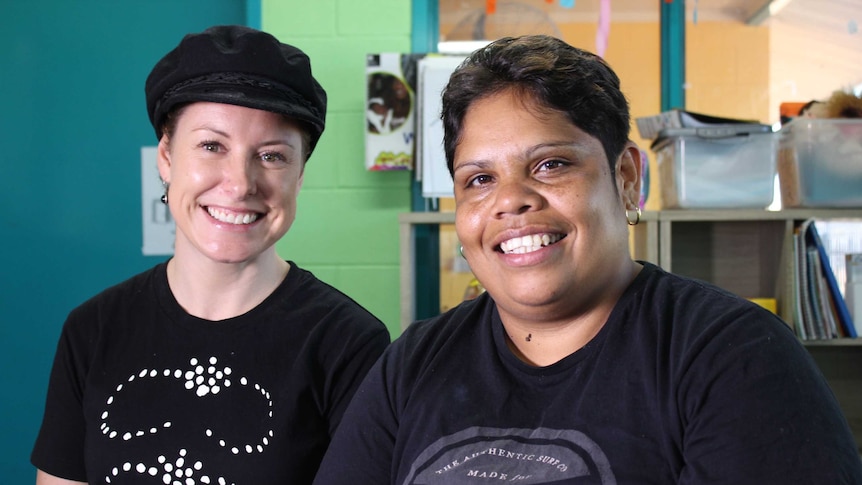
557	75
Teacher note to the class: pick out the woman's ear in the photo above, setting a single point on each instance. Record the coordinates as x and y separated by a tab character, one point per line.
629	174
163	159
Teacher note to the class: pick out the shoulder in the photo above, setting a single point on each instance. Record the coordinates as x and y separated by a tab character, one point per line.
449	335
656	282
739	380
121	295
675	298
316	301
131	286
303	282
695	320
439	329
109	313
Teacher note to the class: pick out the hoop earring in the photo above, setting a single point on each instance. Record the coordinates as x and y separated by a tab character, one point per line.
633	216
461	250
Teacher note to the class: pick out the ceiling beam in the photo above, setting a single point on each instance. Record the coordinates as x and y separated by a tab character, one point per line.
768	9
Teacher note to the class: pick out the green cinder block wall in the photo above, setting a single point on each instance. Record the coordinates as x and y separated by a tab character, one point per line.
346	230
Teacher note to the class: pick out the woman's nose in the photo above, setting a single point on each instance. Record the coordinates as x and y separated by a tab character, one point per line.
240	177
516	197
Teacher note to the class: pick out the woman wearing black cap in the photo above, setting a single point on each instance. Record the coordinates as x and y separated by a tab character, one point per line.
225	364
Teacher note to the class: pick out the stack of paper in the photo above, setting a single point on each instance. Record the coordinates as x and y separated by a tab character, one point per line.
649	127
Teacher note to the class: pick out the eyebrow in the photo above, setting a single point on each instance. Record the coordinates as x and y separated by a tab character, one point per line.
482	163
214	130
472	163
275	141
555	144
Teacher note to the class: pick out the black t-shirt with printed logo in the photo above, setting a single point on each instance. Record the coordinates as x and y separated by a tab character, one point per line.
141	392
684	384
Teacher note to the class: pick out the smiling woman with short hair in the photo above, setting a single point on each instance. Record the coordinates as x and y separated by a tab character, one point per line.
578	364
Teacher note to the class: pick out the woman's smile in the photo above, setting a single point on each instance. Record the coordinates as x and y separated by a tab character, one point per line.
529	243
230	217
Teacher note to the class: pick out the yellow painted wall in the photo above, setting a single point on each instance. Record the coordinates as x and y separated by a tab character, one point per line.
634	54
727	70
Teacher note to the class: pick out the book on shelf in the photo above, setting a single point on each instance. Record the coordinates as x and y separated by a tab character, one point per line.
824	302
805	320
841	310
820	311
799	286
819	320
853	286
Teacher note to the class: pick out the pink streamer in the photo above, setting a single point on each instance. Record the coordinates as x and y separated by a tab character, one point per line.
604	29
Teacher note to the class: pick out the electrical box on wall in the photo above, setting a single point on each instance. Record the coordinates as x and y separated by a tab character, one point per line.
158	225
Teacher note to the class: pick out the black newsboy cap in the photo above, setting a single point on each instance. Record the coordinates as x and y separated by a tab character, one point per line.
237	65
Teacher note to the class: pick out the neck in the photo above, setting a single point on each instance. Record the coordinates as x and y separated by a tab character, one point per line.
546	344
544	339
218	291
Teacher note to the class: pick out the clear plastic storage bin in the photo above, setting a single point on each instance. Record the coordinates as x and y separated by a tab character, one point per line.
820	163
717	167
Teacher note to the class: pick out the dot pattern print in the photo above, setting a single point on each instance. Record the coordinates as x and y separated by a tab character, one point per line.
203	378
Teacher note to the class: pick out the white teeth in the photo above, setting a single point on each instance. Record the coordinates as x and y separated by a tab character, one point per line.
230	218
528	244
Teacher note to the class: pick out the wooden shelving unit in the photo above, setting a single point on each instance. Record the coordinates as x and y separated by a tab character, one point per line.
407	229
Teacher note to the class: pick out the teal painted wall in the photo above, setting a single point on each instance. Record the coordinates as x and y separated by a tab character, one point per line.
346	230
72	121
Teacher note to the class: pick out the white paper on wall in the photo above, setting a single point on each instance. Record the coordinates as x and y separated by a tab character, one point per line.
158	224
434	73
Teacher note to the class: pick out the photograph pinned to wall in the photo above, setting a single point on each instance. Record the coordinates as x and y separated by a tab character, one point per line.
390	106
